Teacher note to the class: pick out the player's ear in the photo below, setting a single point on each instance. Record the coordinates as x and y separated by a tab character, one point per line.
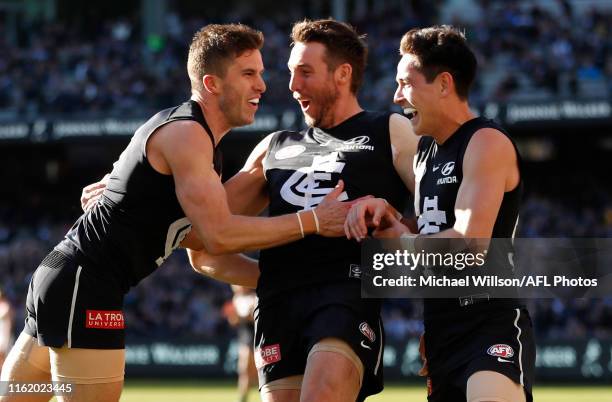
211	83
446	84
344	72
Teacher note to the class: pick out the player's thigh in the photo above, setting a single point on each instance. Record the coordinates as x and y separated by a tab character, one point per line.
107	392
93	374
491	386
286	389
334	372
26	363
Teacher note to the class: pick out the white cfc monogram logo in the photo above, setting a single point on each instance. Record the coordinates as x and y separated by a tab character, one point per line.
302	188
431	218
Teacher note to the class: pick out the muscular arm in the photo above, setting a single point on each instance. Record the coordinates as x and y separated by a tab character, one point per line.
186	151
490	169
246	190
404	143
247	195
236	269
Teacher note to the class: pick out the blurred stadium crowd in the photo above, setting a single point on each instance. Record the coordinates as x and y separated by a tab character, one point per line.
53	69
524	51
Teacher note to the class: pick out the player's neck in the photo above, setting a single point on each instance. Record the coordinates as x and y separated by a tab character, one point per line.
214	117
345	108
450	119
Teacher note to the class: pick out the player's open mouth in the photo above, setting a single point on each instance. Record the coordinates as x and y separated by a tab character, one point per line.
304	104
254	102
410	112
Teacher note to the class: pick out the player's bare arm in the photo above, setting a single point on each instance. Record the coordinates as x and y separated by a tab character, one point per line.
235	269
247	195
246	190
404	143
204	199
490	169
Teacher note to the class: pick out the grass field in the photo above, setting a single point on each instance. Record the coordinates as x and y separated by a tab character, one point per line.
148	391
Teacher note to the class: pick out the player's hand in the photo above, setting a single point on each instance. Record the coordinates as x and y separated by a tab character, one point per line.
364	214
332	213
424	371
92	192
390	227
192	241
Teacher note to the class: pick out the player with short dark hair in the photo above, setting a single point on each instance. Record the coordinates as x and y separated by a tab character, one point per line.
468	185
164	191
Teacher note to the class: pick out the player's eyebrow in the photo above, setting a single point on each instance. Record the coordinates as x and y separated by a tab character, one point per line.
251	71
300	65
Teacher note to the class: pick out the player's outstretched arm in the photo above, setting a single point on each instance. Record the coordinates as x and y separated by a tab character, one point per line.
235	269
186	152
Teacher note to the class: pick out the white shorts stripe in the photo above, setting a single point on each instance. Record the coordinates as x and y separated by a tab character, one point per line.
74	296
380	349
518	339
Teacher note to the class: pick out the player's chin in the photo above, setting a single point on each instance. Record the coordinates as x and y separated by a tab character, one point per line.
247	119
310	120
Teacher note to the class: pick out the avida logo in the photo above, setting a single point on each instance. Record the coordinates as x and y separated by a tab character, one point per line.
357	143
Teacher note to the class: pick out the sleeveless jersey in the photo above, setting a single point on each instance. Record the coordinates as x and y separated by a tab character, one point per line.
301	168
138	221
438	173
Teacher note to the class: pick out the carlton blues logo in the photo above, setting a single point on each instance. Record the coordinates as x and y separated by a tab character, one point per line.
307	186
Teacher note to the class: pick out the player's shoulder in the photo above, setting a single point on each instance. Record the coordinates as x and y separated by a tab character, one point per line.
490	147
283	136
380	116
492	138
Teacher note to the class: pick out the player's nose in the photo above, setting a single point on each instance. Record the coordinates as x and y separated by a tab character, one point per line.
398	97
260	85
294	83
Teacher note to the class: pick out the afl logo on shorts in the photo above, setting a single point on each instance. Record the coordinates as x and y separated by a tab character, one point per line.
501	350
289	152
367	331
